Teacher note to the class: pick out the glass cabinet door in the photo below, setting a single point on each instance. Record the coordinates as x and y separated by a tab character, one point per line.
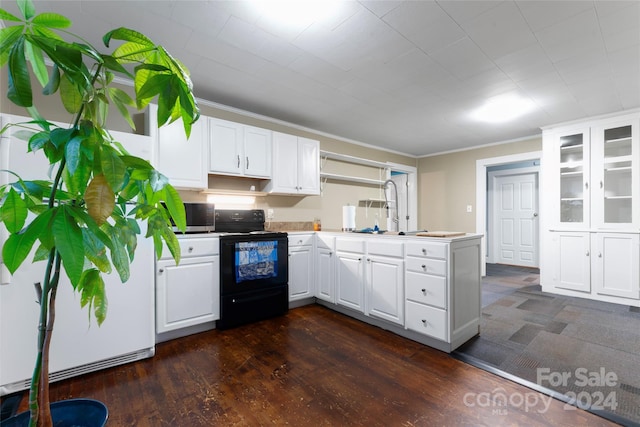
616	184
573	152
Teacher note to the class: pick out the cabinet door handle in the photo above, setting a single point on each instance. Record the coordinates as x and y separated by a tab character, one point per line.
599	254
586	185
601	184
587	253
247	163
238	166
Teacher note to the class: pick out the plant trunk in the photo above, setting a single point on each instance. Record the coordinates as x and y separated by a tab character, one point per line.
39	403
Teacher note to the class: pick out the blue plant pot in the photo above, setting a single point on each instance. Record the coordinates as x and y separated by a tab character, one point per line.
68	413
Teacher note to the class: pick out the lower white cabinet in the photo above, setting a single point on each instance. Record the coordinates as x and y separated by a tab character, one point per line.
188	294
350	273
301	266
616	264
325	271
385	280
596	265
572	267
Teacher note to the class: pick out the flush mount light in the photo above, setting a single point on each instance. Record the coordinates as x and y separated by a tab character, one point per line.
295	11
503	109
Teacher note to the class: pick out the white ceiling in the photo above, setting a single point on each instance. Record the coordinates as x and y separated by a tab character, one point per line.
404	75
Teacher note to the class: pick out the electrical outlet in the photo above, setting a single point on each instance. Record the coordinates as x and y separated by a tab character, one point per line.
469	208
269	214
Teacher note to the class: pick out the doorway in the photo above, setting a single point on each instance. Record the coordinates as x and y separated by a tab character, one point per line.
512	214
406	182
482	214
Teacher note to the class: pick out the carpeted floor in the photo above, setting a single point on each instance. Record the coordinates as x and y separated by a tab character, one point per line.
586	350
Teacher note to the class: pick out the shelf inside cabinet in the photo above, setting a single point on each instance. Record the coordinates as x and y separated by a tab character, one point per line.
623	140
571	199
618	159
617	197
572	173
571	148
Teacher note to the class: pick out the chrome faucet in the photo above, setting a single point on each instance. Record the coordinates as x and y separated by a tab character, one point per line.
395	218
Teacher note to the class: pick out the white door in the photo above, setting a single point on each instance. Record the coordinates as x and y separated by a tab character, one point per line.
516	219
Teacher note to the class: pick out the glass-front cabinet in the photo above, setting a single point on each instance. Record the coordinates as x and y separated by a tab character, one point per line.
616	183
573	157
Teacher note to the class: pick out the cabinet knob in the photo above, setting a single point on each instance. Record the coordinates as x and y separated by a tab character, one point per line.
424	291
587	254
586	185
424	267
190	249
161	271
368	259
424	322
330	253
601	184
359	259
424	251
599	254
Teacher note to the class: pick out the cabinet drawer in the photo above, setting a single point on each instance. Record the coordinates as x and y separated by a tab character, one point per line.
191	247
427	265
300	239
427	249
350	245
385	247
427	320
427	289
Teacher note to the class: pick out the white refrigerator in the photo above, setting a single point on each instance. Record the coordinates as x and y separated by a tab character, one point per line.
78	345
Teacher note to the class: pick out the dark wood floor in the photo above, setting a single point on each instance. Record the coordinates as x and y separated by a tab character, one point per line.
310	367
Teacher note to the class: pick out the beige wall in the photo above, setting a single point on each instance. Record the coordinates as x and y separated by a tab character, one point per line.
447	184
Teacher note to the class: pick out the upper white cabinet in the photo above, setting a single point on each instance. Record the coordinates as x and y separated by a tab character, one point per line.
237	149
593	174
296	165
178	158
614	171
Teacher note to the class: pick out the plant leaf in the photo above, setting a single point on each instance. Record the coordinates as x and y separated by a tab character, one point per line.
96	251
92	293
69	94
19	81
119	256
52	20
113	167
54	81
36	58
13	212
100	199
72	153
6	16
8	37
68	241
175	207
18	245
26	8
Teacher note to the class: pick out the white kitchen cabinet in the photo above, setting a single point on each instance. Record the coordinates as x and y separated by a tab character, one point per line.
572	254
590	170
385	280
188	294
238	149
350	273
296	165
301	266
325	268
616	260
181	160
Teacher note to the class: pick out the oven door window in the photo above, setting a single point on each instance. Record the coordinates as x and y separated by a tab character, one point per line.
256	260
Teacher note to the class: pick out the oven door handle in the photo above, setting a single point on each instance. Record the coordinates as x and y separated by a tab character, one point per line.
255	297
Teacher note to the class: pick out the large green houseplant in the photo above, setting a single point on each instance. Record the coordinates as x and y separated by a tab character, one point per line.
85	217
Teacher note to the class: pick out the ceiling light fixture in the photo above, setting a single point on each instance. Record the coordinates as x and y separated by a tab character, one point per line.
296	11
503	108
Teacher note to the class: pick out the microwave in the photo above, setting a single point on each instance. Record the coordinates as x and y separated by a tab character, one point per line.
201	218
